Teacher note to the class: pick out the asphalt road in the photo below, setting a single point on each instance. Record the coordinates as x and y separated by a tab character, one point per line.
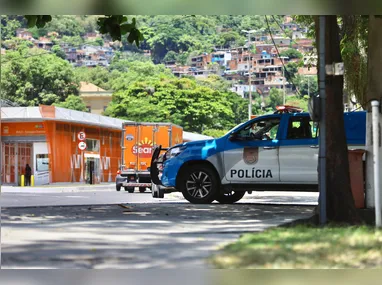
109	229
146	235
102	197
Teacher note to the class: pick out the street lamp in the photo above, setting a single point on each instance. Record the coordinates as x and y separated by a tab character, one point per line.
249	72
283	64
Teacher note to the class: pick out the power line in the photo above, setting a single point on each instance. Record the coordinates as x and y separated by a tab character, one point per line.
278	53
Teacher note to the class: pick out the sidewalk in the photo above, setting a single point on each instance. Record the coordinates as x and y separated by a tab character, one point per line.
58	187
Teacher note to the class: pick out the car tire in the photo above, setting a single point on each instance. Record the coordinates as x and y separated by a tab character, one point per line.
230	198
118	187
142	189
199	184
129	189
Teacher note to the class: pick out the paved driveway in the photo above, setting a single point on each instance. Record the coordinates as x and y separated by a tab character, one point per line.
144	235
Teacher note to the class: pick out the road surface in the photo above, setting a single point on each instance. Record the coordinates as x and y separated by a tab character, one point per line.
132	231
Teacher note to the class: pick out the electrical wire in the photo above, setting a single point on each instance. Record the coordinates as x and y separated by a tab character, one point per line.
278	53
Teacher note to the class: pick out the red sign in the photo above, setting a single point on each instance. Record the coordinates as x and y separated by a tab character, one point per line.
144	150
81	136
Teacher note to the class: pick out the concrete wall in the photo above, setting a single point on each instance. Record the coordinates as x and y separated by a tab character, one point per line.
97	104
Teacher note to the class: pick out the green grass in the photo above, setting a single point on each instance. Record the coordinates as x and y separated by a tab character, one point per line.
304	247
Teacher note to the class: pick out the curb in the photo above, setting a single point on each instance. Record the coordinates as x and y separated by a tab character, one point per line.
54	189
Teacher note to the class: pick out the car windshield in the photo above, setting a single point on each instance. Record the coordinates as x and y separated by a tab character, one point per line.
233	128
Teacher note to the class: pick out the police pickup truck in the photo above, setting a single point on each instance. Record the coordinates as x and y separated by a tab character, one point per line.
271	152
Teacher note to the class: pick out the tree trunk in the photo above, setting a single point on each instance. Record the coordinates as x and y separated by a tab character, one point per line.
340	203
374	91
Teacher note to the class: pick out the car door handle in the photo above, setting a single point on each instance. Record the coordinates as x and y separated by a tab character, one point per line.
314	146
269	147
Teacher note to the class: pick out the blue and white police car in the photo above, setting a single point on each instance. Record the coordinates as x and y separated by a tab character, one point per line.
271	152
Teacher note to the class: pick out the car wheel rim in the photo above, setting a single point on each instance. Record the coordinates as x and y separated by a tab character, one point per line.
199	184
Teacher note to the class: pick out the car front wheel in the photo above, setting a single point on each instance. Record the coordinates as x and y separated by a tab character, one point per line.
199	184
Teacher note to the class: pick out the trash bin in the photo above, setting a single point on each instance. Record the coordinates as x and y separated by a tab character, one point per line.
357	178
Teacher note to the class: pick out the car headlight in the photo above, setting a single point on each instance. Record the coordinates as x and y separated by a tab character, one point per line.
173	152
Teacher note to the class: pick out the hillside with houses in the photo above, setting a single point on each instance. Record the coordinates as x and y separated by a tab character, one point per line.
279	58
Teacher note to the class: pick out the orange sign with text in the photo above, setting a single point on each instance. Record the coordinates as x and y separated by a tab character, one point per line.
22	129
139	139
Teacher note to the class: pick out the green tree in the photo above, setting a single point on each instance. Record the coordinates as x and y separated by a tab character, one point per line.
291	69
137	109
31	77
170	56
275	98
297	101
182	58
137	71
57	50
99	42
98	75
214	82
214	133
307	85
9	25
291	53
66	25
73	102
75	41
88	22
17	43
229	38
181	101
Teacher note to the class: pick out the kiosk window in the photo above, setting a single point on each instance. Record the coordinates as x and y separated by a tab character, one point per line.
42	162
92	145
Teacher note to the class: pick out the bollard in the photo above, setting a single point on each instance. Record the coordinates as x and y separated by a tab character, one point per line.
376	142
32	180
22	183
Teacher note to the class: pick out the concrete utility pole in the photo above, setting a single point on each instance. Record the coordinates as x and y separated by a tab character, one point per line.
249	73
322	137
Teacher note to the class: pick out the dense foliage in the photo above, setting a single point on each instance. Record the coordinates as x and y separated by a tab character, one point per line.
72	102
30	77
183	36
143	91
146	94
